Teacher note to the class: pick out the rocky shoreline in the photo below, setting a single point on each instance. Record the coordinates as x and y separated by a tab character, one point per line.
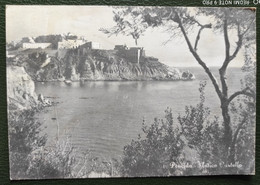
21	87
26	66
99	65
21	93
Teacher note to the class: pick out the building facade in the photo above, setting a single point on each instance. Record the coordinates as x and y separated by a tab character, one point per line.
133	54
36	45
92	45
70	44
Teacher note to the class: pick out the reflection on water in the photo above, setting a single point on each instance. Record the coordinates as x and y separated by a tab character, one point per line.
111	86
104	116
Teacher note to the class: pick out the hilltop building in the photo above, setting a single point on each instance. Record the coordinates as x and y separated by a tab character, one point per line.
120	47
134	54
28	40
36	45
29	43
70	44
85	48
92	45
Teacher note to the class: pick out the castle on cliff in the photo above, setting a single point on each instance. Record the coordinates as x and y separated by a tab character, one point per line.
70	41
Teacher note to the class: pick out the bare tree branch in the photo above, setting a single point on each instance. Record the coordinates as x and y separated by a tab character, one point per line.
222	70
197	57
239	43
227	44
240	40
192	19
197	39
198	35
169	16
243	92
229	58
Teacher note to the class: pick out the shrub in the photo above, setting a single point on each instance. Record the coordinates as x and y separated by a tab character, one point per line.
167	144
29	157
24	138
153	154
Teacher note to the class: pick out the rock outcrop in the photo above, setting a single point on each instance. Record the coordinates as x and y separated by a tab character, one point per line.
101	65
20	89
97	65
82	62
187	75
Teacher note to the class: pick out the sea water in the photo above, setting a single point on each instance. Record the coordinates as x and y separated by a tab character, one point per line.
103	116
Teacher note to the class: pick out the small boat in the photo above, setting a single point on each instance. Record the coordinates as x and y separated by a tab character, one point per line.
68	82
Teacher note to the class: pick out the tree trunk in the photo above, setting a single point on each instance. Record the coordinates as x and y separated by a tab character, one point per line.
232	151
228	136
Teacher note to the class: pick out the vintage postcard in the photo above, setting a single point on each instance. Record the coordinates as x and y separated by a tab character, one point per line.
104	91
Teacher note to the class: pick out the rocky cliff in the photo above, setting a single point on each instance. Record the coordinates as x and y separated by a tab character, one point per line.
72	65
20	89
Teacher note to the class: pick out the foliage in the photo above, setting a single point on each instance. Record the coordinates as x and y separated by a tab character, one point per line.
53	161
166	142
29	156
197	127
243	111
153	154
95	166
135	21
195	139
194	120
243	143
24	138
203	134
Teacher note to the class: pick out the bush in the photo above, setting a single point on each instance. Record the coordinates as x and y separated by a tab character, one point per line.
196	139
52	162
24	138
203	134
153	155
166	144
29	158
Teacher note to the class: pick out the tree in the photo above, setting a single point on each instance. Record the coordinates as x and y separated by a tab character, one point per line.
244	112
153	152
24	139
203	135
164	147
30	158
178	21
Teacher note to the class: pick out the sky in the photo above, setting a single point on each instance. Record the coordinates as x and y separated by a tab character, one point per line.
31	21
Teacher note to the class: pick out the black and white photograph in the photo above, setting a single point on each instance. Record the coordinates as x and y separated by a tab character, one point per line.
130	91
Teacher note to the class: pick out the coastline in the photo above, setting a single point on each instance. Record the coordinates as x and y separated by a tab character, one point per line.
120	80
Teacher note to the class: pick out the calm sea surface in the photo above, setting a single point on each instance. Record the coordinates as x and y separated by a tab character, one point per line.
104	116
